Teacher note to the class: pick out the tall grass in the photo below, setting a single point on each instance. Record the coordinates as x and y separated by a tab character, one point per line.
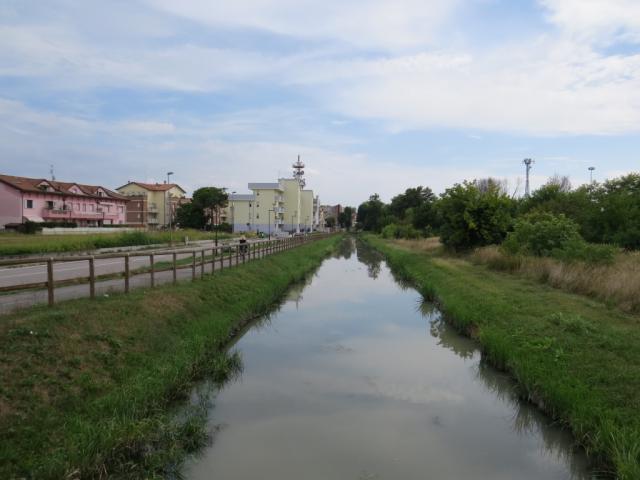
616	284
22	244
88	386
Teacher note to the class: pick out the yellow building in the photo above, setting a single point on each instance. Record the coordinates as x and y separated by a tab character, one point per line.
279	207
156	203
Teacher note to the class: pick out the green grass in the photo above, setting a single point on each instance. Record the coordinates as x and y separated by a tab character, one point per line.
23	244
575	357
89	387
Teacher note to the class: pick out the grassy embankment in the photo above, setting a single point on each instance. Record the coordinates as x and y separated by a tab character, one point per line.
88	386
23	244
575	357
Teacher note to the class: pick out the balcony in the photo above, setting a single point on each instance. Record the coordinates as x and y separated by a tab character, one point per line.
153	208
68	214
152	221
279	209
279	198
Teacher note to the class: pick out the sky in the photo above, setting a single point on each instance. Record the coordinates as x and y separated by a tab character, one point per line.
376	96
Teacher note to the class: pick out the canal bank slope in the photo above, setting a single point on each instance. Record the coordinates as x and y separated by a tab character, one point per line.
578	359
87	386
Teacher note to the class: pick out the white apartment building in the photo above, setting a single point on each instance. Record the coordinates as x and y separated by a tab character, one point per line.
282	206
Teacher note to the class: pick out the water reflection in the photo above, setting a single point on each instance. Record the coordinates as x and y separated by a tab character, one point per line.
345	381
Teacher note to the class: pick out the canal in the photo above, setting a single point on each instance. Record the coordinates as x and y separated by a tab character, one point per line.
355	377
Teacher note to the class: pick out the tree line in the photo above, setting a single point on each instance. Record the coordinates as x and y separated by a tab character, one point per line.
482	212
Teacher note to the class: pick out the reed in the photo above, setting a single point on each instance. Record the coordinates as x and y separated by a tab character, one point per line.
616	284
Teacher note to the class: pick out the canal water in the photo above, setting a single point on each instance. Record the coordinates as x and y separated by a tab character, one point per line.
355	377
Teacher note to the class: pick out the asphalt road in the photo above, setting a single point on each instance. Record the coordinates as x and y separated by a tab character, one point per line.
30	274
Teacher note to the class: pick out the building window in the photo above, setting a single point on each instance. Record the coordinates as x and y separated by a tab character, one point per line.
29	203
84	207
50	204
257	215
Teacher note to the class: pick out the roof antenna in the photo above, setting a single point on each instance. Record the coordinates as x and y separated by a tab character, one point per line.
53	177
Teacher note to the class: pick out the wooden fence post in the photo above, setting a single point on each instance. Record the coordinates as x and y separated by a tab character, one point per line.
193	265
152	263
126	273
237	255
213	260
92	278
221	258
175	268
202	263
50	285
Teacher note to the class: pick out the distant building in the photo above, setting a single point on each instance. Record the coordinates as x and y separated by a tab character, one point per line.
331	211
273	207
152	205
42	200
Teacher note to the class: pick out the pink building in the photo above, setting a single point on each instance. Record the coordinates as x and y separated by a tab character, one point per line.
41	200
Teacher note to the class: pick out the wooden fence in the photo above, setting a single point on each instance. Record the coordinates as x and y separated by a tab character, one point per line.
220	257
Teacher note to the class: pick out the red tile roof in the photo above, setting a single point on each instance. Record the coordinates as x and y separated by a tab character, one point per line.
25	184
154	187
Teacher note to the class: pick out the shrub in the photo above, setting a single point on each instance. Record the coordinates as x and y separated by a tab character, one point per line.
394	230
544	234
29	227
541	233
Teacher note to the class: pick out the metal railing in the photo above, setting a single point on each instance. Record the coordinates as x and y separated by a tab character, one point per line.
218	257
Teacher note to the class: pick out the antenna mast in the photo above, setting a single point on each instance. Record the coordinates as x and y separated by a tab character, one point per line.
298	174
53	177
527	162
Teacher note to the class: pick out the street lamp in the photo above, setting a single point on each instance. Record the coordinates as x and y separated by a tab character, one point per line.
591	169
233	214
168	204
292	217
269	219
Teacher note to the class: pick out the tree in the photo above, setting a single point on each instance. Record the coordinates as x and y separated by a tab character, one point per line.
330	222
210	200
371	214
412	198
471	217
190	215
345	218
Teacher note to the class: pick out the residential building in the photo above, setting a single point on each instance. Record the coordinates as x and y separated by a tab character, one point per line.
42	200
153	205
282	206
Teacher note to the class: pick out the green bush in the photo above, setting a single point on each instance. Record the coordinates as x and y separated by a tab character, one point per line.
544	234
400	231
29	227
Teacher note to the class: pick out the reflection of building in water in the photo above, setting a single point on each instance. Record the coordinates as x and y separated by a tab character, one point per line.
295	292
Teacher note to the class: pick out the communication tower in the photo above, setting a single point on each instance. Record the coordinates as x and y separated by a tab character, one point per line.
527	162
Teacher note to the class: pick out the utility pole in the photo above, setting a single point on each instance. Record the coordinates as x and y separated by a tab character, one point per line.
527	162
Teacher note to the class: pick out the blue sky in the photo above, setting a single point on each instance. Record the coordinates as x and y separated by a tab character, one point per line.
376	96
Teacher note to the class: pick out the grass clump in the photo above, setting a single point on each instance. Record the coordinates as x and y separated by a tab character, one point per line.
89	387
576	358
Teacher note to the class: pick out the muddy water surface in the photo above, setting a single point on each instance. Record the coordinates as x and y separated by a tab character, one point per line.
355	378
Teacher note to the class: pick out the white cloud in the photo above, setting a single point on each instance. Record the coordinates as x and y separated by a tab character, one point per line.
363	23
601	21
